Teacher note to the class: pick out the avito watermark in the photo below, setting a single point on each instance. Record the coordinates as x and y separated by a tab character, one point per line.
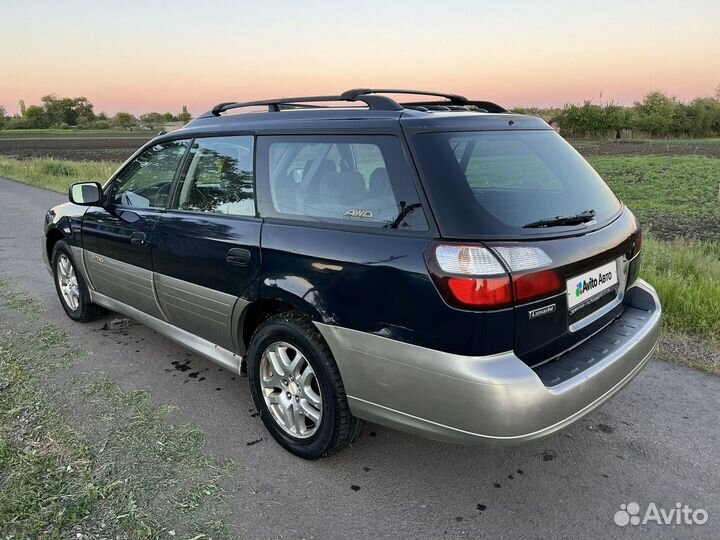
680	514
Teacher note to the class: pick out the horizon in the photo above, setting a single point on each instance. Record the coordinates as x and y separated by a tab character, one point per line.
181	56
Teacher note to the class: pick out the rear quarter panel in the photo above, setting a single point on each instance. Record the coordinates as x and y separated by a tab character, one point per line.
376	283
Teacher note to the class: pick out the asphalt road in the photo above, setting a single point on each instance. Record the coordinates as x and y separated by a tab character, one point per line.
657	441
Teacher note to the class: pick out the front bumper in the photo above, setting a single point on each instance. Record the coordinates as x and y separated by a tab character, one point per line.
46	259
494	399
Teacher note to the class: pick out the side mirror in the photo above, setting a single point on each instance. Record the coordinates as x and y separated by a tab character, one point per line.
86	193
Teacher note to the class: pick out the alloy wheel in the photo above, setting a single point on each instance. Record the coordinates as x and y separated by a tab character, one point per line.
68	282
291	390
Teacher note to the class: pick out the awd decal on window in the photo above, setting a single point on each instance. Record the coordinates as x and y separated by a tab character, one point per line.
359	213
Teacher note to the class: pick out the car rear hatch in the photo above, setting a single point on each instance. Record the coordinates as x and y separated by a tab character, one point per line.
592	272
528	224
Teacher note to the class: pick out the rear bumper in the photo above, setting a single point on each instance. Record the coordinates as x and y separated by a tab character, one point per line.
494	399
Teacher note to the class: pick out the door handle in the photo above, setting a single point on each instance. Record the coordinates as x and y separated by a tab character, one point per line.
137	238
238	256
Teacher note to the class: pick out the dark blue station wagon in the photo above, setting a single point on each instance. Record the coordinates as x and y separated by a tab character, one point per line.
444	267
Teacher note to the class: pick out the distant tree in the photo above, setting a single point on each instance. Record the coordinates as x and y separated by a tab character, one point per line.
184	116
70	111
703	117
84	109
102	116
152	120
22	107
3	114
656	114
168	117
581	120
36	117
124	120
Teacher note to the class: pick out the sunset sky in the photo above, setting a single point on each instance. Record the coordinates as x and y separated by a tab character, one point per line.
138	56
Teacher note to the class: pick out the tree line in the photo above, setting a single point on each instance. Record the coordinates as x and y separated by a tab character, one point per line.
79	112
657	115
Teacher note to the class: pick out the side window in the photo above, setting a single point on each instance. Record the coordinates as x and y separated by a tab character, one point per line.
146	181
219	177
358	180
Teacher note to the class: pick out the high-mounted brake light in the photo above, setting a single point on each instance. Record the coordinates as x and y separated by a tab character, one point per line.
478	277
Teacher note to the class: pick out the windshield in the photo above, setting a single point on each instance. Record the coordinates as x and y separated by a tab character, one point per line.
511	184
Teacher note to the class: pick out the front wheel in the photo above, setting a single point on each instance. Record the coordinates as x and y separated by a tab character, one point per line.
297	389
70	285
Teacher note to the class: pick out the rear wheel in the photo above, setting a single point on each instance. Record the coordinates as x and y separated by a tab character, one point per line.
297	389
70	285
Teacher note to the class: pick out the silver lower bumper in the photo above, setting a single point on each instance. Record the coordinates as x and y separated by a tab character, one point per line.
494	399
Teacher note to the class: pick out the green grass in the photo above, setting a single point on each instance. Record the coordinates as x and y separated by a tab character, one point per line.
686	275
664	185
18	301
55	174
59	133
680	142
81	458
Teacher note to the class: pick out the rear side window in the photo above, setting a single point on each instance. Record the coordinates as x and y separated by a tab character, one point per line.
355	180
502	183
218	177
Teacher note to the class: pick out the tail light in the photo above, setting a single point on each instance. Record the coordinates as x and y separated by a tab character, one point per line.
476	277
493	292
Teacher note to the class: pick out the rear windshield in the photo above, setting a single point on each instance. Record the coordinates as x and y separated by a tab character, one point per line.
502	183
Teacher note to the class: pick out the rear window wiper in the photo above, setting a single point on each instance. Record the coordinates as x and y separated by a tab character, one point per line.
558	221
404	212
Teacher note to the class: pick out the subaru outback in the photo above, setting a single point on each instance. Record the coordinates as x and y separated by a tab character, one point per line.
440	266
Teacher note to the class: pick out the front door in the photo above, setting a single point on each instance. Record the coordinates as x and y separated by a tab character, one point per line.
206	247
116	238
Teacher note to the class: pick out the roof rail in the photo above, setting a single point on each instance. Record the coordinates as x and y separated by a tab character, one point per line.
454	99
484	106
356	92
377	103
367	95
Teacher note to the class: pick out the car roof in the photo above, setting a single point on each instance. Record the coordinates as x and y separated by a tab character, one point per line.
377	113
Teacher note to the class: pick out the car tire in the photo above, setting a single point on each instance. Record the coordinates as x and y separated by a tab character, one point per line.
71	287
285	392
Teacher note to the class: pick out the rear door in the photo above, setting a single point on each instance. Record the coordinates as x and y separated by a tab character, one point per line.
206	247
116	237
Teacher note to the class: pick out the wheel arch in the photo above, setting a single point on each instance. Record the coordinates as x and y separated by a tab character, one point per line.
263	308
52	237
